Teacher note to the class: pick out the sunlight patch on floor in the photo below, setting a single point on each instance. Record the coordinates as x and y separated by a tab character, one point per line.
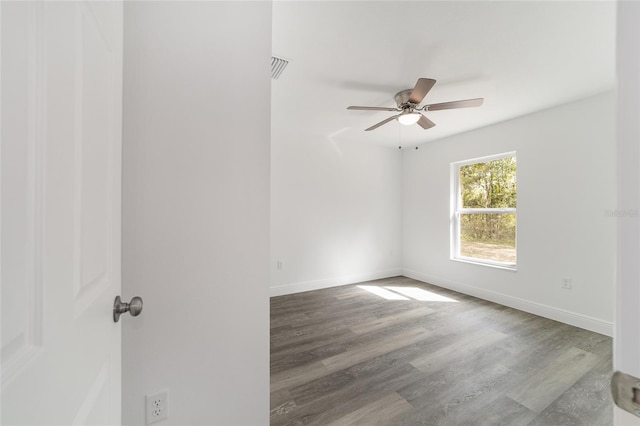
421	294
382	292
406	293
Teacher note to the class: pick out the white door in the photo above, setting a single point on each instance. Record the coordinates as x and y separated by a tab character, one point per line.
627	336
60	169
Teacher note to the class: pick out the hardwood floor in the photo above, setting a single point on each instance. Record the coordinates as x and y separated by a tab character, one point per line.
345	356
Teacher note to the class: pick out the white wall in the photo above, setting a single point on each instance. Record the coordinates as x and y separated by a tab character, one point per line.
566	183
196	210
335	211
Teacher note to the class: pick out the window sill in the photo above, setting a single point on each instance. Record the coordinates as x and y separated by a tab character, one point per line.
504	266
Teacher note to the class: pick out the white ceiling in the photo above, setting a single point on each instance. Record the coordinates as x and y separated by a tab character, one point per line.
520	56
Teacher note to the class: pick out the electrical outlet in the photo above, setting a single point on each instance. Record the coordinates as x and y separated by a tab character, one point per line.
280	265
567	283
157	406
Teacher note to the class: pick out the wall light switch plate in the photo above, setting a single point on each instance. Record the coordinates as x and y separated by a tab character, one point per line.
157	406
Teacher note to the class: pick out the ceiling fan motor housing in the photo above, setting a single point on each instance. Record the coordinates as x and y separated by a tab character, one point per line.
402	99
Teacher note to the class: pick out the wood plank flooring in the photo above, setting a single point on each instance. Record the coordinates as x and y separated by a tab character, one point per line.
430	356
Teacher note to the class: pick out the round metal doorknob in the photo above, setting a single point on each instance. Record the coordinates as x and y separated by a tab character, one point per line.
119	307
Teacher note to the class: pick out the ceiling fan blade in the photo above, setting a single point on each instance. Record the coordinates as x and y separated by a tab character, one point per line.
456	104
375	126
367	108
425	123
421	89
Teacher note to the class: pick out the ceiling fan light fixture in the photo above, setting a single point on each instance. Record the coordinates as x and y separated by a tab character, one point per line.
409	118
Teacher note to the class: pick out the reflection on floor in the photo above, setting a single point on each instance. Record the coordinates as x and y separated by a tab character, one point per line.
402	352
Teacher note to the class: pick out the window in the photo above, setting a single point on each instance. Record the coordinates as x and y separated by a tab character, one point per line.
484	210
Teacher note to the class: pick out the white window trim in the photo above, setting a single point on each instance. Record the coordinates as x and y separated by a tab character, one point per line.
456	200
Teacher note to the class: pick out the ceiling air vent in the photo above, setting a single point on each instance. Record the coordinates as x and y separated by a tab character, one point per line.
277	66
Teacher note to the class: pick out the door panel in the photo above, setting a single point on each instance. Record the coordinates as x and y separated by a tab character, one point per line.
627	334
61	149
22	190
93	202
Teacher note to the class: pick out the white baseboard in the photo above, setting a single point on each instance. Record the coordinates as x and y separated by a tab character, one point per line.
281	290
567	317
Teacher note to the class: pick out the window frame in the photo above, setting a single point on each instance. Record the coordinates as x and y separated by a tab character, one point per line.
457	210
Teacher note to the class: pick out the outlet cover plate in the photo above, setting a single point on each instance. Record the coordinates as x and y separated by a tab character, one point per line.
157	406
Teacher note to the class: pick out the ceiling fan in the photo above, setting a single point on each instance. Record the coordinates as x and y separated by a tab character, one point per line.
408	101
